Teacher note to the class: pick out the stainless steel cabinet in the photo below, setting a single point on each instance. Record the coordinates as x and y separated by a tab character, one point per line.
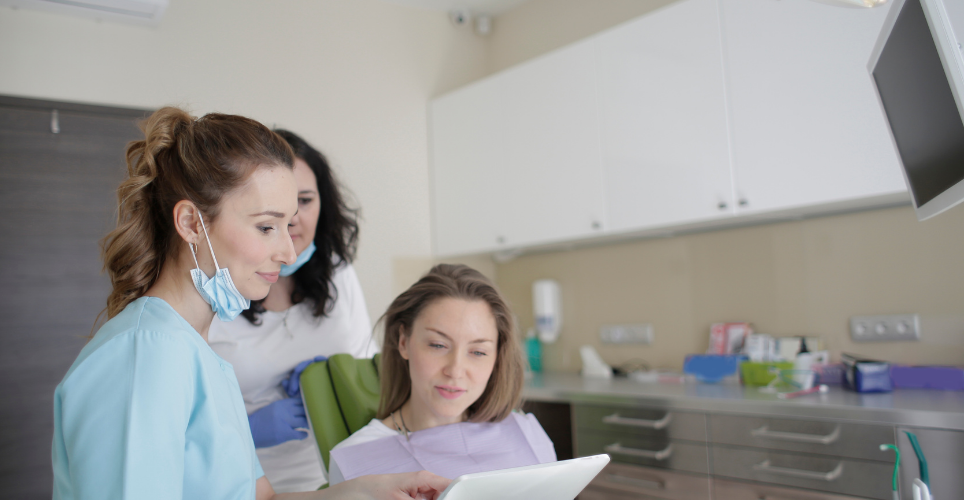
619	482
651	452
823	437
737	490
664	453
817	472
642	421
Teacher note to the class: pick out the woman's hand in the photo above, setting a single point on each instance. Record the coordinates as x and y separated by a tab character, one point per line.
278	422
292	384
406	486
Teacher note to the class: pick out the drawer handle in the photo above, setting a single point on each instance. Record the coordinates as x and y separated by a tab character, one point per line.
639	483
638	422
635	452
765	466
765	432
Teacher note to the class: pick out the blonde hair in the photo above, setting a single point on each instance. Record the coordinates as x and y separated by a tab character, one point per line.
180	158
504	390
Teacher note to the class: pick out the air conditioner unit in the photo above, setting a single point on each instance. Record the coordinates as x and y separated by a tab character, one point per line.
146	12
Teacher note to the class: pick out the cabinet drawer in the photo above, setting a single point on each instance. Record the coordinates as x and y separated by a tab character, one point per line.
659	452
734	490
642	421
810	436
618	481
849	477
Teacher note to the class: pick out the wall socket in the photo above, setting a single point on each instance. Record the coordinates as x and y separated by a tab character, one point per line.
878	328
640	333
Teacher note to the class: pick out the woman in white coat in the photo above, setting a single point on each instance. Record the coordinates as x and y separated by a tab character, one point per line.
316	309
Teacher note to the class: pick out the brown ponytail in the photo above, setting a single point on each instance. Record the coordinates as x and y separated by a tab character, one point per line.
180	158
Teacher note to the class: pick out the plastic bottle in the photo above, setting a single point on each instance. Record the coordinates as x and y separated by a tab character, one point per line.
534	351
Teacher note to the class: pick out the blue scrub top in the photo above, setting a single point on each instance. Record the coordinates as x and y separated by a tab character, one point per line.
149	411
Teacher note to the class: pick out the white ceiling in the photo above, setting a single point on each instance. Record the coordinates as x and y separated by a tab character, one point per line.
490	7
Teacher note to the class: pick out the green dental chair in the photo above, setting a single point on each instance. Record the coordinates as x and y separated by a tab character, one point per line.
341	395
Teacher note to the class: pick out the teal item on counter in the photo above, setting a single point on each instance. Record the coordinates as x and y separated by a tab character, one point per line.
534	352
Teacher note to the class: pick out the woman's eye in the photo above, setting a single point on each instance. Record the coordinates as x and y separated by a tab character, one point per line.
265	229
479	353
436	346
305	201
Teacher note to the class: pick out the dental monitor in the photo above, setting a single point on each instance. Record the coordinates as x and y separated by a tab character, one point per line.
918	69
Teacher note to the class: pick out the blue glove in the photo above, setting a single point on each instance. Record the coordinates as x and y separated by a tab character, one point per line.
292	384
276	423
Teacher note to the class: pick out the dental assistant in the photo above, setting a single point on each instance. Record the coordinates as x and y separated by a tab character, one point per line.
314	310
148	410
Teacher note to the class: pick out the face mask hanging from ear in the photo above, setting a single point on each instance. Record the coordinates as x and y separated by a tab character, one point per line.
219	291
303	257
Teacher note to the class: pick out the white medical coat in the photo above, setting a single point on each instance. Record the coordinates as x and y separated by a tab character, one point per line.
264	355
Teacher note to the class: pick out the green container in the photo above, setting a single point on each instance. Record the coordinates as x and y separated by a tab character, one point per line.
755	374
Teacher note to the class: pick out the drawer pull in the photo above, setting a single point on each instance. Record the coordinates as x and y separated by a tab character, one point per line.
765	432
648	484
635	452
765	466
638	422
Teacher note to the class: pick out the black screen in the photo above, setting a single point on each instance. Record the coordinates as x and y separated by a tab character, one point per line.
919	104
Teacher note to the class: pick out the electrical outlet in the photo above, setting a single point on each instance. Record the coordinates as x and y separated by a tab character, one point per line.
641	333
893	327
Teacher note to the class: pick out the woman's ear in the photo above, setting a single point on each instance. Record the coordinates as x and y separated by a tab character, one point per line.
403	343
186	221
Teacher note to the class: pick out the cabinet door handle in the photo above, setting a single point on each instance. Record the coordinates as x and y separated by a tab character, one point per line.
648	484
765	432
635	452
615	419
765	466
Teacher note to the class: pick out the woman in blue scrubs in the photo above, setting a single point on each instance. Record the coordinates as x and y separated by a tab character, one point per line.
148	410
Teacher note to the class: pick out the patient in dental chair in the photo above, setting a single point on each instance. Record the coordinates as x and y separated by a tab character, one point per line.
451	375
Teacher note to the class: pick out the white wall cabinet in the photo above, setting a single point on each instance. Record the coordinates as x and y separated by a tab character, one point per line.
805	122
664	135
515	157
703	112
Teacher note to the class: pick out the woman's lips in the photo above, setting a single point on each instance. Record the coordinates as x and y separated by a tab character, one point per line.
269	277
449	392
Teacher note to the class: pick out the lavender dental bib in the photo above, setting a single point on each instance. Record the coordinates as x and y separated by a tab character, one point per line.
451	450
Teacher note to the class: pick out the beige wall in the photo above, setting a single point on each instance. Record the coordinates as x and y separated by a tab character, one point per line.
539	26
794	278
353	77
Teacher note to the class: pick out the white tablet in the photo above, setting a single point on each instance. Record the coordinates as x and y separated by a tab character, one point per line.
553	481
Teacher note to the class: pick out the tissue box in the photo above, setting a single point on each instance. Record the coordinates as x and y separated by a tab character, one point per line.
712	367
866	375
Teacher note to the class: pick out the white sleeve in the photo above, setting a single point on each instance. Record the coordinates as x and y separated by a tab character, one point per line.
360	327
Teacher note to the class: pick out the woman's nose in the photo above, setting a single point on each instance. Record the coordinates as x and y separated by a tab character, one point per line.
455	368
288	254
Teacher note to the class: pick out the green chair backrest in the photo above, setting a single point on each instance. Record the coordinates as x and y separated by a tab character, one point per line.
341	395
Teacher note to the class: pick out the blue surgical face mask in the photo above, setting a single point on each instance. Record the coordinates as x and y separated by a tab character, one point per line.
303	257
219	291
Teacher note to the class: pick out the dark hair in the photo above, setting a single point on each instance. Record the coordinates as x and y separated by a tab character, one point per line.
180	158
336	235
503	392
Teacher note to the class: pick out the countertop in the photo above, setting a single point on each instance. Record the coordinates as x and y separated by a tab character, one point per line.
914	407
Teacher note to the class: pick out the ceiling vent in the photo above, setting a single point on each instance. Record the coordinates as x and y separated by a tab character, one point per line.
147	12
